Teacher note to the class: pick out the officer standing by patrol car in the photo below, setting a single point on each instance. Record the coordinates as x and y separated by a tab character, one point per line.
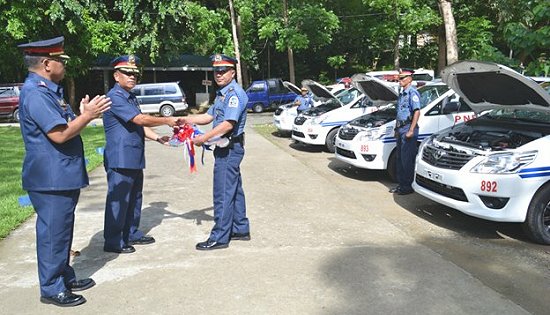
406	132
228	115
124	157
303	101
54	170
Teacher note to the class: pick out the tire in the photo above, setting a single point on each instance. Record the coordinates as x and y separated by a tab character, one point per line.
167	110
16	115
392	166
258	108
537	222
331	139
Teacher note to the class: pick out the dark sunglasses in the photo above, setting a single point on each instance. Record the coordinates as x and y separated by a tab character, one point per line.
402	78
129	74
222	72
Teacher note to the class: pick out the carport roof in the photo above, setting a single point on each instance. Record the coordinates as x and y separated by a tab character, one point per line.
181	63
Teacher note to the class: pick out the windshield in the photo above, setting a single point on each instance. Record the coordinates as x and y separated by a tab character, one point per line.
347	95
428	93
518	114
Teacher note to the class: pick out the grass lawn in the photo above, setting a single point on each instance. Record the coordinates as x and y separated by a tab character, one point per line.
11	161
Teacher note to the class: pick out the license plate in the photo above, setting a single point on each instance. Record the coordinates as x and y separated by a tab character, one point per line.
434	176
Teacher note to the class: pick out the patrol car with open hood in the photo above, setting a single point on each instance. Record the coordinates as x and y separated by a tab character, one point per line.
284	116
495	167
319	125
369	141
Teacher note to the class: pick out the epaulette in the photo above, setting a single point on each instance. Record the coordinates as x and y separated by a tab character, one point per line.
41	83
119	92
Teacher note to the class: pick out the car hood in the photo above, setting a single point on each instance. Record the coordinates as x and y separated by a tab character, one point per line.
485	86
318	89
375	89
292	87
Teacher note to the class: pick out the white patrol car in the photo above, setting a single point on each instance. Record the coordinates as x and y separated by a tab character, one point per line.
284	116
319	125
495	167
369	142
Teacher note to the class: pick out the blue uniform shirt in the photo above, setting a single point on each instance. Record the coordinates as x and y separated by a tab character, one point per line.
125	141
409	100
305	102
48	166
230	104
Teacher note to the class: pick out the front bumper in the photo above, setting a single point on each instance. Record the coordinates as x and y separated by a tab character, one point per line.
366	154
501	198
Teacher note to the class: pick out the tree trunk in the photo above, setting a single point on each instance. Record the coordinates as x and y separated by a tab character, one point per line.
450	30
290	52
442	54
396	53
71	92
235	42
244	65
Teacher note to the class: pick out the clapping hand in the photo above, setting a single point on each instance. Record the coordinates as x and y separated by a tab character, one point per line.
94	107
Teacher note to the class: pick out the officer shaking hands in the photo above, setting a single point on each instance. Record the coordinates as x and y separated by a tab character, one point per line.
124	158
54	170
228	115
406	132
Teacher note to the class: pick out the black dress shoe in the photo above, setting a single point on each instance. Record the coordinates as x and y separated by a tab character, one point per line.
210	245
81	285
144	240
395	190
64	299
240	236
124	250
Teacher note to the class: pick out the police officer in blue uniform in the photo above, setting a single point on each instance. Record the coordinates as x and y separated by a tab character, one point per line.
53	168
303	101
124	158
406	132
228	115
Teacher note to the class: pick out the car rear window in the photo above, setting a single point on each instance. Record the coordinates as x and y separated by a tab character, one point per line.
170	89
9	92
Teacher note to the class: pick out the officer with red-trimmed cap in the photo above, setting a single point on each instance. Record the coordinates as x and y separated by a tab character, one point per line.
124	158
54	170
228	117
406	132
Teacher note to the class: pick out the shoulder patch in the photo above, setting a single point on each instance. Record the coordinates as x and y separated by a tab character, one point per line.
415	98
233	101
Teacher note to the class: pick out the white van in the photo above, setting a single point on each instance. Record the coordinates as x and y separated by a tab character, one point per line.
495	167
319	125
369	142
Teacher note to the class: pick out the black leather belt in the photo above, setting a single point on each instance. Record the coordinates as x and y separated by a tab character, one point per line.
401	123
237	139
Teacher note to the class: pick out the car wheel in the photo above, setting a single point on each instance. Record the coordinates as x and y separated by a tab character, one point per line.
331	140
258	108
16	115
537	223
392	166
167	110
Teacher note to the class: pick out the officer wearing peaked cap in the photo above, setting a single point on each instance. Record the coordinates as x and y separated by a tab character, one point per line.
124	158
53	168
228	117
406	132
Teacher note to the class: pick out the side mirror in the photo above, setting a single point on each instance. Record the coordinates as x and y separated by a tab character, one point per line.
451	107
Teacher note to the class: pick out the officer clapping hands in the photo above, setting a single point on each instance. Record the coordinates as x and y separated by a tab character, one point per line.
95	107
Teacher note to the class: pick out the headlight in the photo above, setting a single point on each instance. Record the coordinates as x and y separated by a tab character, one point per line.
370	134
319	119
504	163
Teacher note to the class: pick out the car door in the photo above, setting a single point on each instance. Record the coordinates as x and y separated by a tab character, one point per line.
447	112
151	98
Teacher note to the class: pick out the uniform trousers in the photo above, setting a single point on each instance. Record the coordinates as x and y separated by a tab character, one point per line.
123	207
54	237
229	201
406	151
